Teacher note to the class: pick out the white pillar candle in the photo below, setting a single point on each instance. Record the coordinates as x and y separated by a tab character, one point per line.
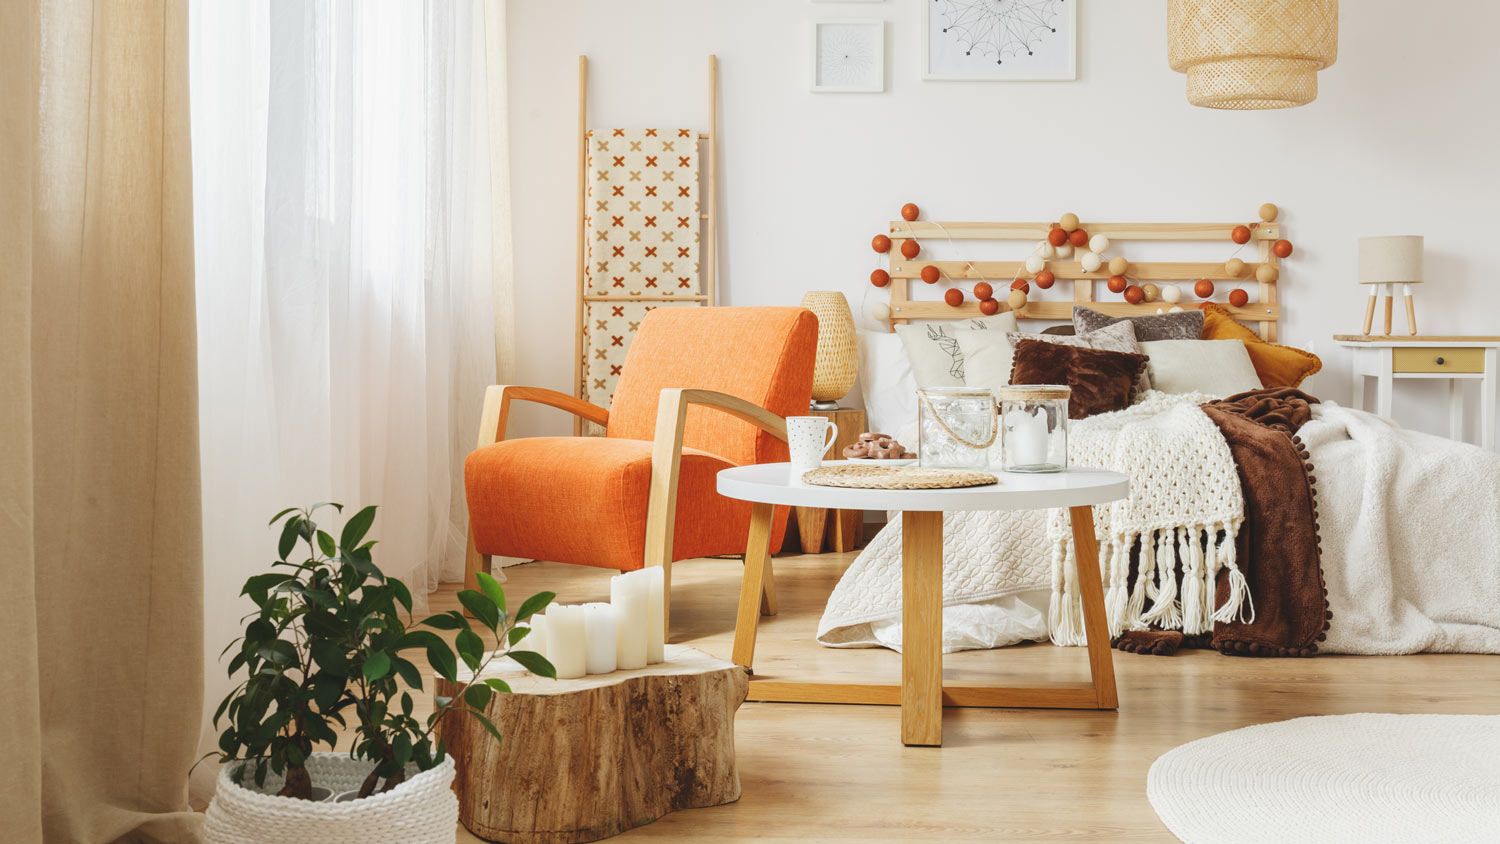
536	640
1027	438
628	595
656	613
600	627
567	647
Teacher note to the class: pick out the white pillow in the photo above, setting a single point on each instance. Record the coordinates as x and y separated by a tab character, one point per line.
1216	367
932	348
886	383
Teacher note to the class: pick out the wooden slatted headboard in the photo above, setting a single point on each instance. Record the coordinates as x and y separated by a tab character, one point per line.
1263	311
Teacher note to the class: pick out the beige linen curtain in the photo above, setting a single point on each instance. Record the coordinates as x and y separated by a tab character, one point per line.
101	680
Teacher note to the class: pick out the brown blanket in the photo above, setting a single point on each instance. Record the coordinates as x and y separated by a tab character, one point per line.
1278	542
1279	539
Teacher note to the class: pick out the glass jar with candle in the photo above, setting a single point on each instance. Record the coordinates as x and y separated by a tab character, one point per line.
1034	427
955	427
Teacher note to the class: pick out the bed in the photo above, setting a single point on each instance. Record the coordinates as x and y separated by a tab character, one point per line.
1262	521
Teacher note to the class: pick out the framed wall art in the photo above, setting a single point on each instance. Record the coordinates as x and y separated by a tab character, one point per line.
1000	40
848	56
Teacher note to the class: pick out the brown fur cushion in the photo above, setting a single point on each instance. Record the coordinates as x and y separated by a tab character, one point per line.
1100	380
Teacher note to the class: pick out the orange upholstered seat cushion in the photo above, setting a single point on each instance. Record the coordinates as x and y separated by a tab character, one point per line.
1277	366
583	500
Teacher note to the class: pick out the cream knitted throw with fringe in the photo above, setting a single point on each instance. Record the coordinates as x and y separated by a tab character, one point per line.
1185	509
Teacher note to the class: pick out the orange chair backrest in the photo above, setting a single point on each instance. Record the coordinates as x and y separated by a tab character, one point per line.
762	355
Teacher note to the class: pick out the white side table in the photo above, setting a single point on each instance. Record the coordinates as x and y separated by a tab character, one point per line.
1458	358
922	694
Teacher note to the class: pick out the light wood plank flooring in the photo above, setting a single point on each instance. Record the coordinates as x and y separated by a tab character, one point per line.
839	773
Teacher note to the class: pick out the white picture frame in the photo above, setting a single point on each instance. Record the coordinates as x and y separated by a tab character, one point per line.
848	56
948	56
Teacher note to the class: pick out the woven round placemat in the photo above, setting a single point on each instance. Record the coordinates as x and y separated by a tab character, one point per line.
896	477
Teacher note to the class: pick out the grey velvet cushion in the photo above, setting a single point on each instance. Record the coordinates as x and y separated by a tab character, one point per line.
1179	325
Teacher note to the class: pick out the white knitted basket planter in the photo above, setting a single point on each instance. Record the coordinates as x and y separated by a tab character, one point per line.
422	810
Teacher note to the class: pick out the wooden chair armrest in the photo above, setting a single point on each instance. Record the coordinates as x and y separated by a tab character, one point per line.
496	413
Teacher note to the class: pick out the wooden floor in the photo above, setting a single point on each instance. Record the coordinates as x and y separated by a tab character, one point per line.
839	773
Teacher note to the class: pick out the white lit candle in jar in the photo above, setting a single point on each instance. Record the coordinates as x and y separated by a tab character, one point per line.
600	628
1026	435
1034	427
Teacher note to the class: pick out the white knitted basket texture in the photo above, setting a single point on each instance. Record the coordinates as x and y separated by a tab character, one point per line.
422	810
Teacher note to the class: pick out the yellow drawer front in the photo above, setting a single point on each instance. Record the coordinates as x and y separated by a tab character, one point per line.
1438	360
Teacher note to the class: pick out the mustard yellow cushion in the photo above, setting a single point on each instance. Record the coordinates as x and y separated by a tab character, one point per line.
1277	366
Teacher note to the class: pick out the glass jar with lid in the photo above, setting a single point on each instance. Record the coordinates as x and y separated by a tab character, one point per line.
955	427
1034	427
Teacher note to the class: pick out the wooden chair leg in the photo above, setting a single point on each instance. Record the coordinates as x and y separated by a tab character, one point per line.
1095	623
756	587
474	563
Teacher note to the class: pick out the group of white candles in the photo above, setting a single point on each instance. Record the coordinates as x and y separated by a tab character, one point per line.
597	638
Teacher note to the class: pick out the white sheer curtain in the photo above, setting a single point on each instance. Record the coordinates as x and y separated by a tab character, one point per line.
346	273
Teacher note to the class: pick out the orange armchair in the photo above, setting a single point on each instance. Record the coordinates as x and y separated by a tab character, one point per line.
702	389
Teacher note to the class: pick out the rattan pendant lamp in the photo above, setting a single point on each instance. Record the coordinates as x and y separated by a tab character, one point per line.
1252	54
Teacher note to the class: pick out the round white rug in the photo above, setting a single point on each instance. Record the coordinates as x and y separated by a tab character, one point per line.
1357	778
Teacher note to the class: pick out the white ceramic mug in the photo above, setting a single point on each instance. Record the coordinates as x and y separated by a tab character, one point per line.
809	438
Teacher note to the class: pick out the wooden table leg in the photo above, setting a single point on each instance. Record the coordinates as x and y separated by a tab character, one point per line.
753	584
1095	623
922	628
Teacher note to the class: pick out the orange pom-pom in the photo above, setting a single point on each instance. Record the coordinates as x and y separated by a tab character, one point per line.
1239	298
1282	248
1021	285
989	307
1240	235
909	249
1045	279
930	274
954	297
1203	289
909	211
983	290
1134	295
1079	238
880	243
1116	284
880	278
1057	237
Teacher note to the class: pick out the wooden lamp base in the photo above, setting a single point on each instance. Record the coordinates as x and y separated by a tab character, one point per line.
1390	295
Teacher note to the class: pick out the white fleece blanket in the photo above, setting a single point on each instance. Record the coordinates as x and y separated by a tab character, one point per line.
1410	528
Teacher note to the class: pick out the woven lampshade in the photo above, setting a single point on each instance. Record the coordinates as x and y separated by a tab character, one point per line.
838	350
1252	54
1390	260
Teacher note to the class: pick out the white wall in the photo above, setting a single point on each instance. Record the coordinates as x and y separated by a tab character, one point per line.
1401	140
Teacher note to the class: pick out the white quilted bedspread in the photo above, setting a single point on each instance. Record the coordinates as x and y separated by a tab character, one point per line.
987	557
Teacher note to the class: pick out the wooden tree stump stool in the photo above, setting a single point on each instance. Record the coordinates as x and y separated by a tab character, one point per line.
589	758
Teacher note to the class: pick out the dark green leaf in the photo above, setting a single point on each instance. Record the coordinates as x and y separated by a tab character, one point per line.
535	604
498	685
330	657
377	665
403	594
277	517
357	526
294	755
325	544
326	690
416	639
491	588
445	663
535	663
289	533
401	747
280	652
409	673
478	695
516	634
480	607
259	586
406	704
445	621
470	647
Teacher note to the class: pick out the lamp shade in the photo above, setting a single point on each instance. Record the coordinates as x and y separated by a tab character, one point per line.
1390	260
838	351
1252	54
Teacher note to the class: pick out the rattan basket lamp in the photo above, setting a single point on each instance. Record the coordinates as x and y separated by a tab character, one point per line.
1387	262
1252	54
838	350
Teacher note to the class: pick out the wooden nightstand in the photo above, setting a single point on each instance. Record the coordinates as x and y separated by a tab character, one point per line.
1455	357
846	528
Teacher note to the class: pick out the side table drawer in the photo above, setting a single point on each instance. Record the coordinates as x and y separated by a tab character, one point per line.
1438	360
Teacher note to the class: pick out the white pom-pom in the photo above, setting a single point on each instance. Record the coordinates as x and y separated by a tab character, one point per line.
881	311
1098	243
1064	251
1090	261
1171	293
1046	250
1035	264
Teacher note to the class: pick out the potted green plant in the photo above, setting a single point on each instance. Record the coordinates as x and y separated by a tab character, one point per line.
326	650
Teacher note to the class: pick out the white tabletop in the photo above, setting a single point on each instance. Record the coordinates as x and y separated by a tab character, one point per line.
776	483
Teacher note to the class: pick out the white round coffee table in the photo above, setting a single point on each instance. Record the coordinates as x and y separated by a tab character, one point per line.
921	694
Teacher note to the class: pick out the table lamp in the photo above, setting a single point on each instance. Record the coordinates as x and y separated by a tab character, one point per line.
837	361
1390	261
